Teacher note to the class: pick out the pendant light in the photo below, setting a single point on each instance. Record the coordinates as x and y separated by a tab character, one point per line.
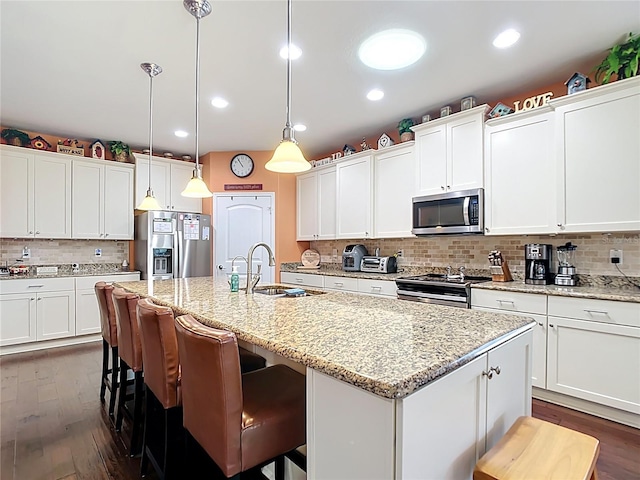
196	188
288	157
149	202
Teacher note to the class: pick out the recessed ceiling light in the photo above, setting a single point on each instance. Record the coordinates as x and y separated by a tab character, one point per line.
298	127
295	52
375	95
219	102
506	38
181	133
392	49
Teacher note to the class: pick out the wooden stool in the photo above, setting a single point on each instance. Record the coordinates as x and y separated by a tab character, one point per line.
533	449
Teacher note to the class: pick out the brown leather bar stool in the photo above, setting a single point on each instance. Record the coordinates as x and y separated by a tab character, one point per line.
163	438
533	449
130	353
109	342
242	421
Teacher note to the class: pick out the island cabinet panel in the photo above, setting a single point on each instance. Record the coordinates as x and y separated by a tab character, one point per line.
350	432
444	428
599	152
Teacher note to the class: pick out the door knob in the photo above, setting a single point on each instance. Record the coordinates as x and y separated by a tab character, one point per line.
220	267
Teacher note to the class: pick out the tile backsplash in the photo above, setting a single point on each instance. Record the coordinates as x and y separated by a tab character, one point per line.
60	252
592	254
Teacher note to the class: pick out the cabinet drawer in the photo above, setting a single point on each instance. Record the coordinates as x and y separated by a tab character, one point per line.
377	287
606	311
509	301
36	285
83	283
346	284
305	279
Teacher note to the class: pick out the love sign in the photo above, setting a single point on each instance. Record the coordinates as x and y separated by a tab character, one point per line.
533	102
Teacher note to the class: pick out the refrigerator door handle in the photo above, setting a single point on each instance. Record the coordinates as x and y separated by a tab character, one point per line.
177	250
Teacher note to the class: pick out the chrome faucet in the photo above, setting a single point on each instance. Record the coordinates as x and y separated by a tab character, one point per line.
252	280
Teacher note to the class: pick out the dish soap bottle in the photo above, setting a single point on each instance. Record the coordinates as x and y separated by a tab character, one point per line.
235	279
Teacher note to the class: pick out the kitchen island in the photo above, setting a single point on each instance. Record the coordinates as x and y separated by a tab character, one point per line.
394	389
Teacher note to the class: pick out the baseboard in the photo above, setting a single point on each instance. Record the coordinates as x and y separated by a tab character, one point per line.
58	342
603	411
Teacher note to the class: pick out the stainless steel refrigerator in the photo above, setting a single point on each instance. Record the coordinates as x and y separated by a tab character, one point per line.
172	245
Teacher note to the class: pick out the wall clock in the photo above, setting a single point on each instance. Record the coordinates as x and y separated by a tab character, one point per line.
241	165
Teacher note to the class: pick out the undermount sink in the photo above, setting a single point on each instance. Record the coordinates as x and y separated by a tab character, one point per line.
281	291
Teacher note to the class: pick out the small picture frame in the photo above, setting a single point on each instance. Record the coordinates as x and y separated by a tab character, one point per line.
445	111
467	103
426	118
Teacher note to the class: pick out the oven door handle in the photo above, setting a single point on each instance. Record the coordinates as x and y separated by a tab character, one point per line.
436	296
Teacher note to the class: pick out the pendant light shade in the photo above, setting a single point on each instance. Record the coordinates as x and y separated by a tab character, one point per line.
149	202
288	157
197	188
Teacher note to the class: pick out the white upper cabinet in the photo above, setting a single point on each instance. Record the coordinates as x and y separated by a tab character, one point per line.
35	192
449	152
599	158
168	180
102	200
354	179
316	204
394	172
520	191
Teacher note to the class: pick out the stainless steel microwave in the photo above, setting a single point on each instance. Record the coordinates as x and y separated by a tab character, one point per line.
460	212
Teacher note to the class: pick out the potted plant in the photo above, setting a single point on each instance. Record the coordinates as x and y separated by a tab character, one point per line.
622	60
121	151
15	137
404	129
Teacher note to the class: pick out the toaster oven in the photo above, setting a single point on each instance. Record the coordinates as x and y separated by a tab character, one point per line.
379	264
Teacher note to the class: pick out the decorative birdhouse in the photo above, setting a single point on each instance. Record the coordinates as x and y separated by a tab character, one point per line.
384	141
348	150
40	143
97	150
500	110
577	83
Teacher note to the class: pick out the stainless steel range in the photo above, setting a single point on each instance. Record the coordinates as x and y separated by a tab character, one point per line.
442	289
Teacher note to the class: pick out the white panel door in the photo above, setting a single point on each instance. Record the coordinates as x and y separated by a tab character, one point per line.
431	162
181	173
16	193
509	388
87	312
601	164
393	191
441	428
326	201
307	206
87	200
354	198
465	154
520	187
56	315
118	203
241	221
595	361
17	318
52	196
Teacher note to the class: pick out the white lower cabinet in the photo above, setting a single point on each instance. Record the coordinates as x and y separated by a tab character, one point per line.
87	310
367	286
35	310
439	431
588	349
599	360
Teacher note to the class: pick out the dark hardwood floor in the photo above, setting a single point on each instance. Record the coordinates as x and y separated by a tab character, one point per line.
52	425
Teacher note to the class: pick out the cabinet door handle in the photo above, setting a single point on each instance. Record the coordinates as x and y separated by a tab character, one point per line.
496	369
106	234
30	232
488	374
448	187
37	232
599	312
33	298
486	229
506	301
442	187
39	299
540	323
35	286
299	280
551	325
338	284
376	287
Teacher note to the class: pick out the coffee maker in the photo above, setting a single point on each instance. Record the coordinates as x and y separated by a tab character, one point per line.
537	259
566	271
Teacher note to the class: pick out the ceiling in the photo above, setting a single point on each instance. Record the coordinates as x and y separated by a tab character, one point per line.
71	68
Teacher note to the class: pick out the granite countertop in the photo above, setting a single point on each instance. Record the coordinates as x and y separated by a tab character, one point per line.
84	270
600	293
385	346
